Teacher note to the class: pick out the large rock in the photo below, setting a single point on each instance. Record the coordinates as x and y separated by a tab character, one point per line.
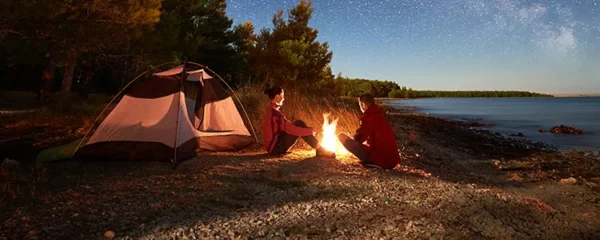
10	162
566	130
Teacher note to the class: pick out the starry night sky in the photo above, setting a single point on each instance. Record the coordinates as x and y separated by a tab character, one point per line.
540	45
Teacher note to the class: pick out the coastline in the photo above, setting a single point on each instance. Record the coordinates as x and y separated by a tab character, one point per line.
537	161
515	127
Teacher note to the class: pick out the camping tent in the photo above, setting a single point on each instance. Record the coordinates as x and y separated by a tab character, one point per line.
155	121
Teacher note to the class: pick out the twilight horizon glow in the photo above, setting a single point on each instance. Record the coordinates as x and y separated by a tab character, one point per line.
542	46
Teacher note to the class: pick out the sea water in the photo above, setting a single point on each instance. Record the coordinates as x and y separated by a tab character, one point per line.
522	115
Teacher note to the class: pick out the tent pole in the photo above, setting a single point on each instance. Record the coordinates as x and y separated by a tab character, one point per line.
177	119
233	92
112	100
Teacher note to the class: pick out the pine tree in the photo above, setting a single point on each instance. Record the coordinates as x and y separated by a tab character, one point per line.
244	40
289	54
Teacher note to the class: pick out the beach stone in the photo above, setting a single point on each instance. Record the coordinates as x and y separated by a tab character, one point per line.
10	162
31	234
570	180
109	234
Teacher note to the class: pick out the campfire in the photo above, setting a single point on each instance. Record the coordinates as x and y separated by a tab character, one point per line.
330	141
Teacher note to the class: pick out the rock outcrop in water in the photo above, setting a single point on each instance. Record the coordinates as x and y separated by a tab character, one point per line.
562	129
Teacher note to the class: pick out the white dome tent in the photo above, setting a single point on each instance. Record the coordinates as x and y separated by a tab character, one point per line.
154	121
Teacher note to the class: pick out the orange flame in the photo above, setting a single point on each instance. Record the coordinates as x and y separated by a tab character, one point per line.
330	141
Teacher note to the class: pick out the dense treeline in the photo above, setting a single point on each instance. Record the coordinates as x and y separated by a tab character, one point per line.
379	89
60	46
467	94
389	89
356	87
99	45
63	46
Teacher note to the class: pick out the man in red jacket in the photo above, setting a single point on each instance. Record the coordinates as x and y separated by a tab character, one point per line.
374	143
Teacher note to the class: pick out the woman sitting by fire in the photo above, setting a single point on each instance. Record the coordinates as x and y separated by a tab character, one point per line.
279	133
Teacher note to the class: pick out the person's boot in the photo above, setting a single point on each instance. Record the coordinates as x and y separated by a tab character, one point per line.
370	165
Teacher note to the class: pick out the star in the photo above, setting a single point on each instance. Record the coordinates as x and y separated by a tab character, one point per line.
410	34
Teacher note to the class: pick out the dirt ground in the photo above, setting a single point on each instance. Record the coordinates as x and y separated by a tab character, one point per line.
455	182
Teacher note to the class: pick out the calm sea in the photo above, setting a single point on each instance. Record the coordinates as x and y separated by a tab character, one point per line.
523	115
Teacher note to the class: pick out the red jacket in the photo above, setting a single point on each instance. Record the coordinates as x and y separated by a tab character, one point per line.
378	138
275	123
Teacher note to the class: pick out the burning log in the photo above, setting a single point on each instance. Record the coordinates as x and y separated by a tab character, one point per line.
322	152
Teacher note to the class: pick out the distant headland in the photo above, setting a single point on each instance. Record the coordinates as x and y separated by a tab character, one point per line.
578	95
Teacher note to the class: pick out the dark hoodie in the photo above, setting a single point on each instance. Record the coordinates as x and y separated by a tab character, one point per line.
378	138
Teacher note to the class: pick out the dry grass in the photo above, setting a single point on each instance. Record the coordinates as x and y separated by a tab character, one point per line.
298	106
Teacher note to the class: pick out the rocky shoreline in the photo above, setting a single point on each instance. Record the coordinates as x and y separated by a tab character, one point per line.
525	160
483	127
478	128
